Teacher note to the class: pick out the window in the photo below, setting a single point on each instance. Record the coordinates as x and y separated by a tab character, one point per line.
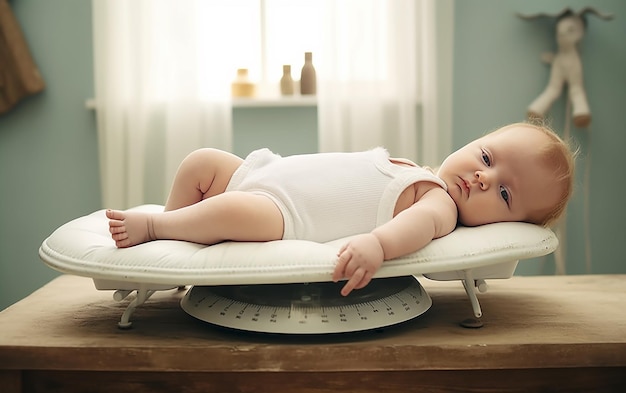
260	35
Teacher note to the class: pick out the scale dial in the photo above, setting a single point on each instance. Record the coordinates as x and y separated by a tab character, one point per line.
314	308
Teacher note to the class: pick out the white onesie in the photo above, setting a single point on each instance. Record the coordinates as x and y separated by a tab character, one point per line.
326	196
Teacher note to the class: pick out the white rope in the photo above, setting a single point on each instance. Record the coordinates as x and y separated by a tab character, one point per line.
561	229
586	213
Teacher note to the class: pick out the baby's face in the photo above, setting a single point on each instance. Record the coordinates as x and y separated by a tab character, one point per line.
499	178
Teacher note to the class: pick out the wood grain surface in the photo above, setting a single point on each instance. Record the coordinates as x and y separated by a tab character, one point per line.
566	333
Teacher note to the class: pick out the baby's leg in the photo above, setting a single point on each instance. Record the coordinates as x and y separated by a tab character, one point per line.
202	174
238	216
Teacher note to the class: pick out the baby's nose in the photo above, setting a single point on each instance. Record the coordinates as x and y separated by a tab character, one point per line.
482	179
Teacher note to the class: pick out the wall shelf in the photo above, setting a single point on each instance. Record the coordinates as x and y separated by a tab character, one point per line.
282	101
267	102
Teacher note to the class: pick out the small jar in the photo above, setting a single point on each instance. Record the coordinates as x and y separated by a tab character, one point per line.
241	86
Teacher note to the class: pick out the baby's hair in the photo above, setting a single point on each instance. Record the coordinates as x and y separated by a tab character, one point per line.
558	155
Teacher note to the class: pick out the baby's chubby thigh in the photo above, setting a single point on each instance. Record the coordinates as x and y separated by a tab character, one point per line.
239	216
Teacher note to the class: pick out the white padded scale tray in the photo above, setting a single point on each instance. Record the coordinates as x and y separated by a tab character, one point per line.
84	247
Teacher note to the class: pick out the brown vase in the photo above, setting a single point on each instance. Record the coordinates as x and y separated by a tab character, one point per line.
308	79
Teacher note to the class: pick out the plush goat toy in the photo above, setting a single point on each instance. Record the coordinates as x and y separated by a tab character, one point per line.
566	64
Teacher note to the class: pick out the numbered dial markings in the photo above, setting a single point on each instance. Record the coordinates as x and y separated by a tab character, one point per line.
314	308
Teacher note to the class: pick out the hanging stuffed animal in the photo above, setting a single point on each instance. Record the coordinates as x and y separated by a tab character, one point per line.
19	76
566	65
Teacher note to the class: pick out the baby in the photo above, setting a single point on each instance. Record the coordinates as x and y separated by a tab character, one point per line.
520	172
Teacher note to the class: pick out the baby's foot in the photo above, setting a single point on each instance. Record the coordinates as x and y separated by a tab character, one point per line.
130	228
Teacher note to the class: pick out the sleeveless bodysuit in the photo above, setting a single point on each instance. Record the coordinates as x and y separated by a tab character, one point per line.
326	196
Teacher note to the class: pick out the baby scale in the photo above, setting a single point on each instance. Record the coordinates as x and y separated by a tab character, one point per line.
284	286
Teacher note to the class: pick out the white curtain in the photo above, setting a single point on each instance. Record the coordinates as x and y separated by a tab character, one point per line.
157	98
163	70
378	78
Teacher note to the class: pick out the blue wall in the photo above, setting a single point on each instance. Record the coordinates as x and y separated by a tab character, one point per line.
48	144
497	73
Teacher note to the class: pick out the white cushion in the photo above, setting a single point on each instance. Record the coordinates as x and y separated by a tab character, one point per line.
84	247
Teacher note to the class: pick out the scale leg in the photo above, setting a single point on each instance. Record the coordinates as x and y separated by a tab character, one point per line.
470	288
143	294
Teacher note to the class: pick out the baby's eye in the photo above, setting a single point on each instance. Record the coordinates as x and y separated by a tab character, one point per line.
504	194
486	158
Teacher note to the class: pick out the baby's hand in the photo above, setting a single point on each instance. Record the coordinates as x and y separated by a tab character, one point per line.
358	261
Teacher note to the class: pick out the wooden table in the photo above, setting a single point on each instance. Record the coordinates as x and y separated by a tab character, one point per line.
555	333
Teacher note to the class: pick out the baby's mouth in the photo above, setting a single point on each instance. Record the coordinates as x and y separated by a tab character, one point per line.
464	186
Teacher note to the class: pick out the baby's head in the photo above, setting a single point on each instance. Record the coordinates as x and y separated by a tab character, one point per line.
520	172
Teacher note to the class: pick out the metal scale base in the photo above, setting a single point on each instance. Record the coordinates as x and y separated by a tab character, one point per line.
314	308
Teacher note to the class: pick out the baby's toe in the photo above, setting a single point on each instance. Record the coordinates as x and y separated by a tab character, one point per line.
119	236
114	214
116	229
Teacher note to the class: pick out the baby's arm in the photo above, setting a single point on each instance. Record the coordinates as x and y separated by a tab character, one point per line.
433	215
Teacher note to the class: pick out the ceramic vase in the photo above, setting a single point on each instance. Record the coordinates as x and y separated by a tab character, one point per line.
286	82
308	79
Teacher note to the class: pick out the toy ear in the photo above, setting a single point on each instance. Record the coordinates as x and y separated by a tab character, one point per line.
599	14
557	15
